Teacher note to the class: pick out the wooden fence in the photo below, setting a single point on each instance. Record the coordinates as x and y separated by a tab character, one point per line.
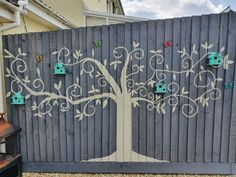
103	114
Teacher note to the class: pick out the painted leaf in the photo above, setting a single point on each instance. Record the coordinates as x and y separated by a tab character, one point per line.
167	67
212	84
93	53
9	55
19	50
202	68
230	62
222	49
77	79
210	46
174	108
54	53
174	76
78	111
163	110
152	51
105	62
59	85
141	68
8	94
8	70
136	104
219	79
98	102
27	96
104	103
151	83
75	56
38	71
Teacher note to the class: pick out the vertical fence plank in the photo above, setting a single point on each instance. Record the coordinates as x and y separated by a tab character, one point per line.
149	72
33	73
83	79
219	103
132	35
98	117
166	117
175	65
160	34
47	79
195	33
41	121
201	112
229	76
90	83
113	37
69	114
55	110
213	38
77	45
22	111
143	34
61	115
183	121
105	124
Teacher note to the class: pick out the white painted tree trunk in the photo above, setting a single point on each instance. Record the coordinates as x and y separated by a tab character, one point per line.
124	128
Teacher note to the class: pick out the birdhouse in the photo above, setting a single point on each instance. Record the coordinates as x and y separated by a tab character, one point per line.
59	69
17	99
215	59
229	85
160	88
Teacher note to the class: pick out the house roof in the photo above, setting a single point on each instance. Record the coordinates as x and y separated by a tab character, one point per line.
14	2
55	13
121	6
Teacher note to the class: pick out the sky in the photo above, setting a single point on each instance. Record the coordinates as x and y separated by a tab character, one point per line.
156	9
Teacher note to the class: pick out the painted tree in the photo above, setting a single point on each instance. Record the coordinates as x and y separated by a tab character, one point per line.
126	92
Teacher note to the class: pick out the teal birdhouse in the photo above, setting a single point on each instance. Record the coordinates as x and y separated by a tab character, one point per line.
215	59
59	69
17	99
160	88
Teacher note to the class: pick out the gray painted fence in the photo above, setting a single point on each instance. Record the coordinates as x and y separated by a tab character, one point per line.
57	141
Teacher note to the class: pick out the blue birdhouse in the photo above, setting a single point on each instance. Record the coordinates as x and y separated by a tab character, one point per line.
215	59
160	88
17	99
59	69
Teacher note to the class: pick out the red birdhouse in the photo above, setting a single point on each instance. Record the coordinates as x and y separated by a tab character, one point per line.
167	44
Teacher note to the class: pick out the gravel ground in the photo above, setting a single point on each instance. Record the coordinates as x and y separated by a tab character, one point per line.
109	175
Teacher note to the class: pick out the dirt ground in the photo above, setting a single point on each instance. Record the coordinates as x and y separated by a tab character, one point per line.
111	175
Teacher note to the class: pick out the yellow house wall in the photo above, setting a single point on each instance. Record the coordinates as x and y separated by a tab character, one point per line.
32	26
96	5
95	21
70	9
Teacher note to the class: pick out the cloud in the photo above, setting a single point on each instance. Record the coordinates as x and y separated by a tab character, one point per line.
169	8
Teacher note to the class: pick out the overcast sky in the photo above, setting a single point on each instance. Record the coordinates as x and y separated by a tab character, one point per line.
174	8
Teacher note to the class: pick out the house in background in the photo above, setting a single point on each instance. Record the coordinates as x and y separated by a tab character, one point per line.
22	16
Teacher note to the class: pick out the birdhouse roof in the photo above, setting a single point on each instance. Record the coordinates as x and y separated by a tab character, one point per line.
59	64
213	54
18	95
